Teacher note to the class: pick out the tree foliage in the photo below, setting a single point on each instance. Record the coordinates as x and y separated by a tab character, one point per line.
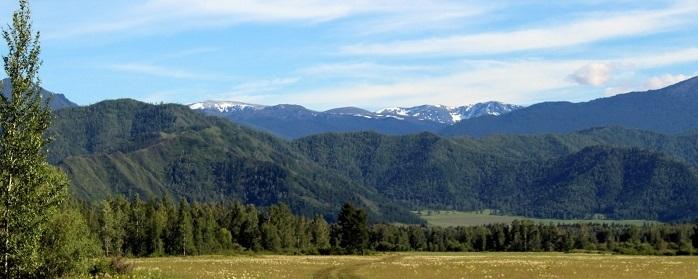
30	189
218	227
352	229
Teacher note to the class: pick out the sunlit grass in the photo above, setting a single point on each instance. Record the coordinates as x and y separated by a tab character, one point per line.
419	265
474	218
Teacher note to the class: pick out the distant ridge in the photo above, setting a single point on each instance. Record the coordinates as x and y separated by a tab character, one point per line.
56	102
294	121
673	109
450	115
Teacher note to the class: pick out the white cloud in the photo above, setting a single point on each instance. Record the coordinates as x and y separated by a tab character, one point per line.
600	73
522	82
662	81
181	15
587	30
672	57
478	81
596	74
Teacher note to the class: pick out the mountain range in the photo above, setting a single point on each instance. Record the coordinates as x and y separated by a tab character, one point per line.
667	110
132	148
294	121
631	156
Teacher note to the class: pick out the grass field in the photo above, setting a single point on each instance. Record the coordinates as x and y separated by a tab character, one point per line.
459	218
420	265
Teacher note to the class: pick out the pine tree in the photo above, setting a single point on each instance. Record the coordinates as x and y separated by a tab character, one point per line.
30	189
353	228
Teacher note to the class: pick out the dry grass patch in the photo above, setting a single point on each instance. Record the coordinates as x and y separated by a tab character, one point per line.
421	265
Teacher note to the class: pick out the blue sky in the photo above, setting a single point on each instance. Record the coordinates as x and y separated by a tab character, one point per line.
366	53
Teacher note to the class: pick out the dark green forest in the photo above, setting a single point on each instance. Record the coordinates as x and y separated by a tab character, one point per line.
132	148
163	227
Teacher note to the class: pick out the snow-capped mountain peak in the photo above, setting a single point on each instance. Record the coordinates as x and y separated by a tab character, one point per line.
224	106
444	115
449	115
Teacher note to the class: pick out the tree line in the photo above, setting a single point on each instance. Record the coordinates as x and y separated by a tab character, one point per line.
162	227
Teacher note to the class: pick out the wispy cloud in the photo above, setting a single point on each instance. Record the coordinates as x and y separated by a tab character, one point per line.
582	31
523	81
182	15
665	80
506	81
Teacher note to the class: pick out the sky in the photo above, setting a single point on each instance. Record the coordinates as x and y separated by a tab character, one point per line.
364	53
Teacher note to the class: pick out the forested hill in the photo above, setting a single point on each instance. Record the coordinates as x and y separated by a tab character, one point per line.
668	110
132	148
562	176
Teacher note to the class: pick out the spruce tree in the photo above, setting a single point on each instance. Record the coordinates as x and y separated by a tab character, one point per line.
30	189
353	228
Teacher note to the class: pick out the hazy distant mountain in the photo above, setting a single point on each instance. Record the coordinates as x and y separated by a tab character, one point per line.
56	102
294	121
673	109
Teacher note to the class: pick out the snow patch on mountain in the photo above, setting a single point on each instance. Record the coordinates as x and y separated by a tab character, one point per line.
449	115
224	106
434	113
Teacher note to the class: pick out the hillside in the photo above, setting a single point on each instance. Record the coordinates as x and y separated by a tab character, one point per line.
669	110
568	176
128	147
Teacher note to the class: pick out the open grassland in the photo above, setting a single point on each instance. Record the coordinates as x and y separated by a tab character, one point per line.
420	265
459	218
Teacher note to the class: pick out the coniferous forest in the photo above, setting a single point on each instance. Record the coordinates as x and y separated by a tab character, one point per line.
164	227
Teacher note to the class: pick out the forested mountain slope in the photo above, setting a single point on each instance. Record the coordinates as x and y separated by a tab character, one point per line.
128	147
563	176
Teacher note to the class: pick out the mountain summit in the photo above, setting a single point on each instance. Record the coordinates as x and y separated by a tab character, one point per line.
224	106
294	121
450	115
